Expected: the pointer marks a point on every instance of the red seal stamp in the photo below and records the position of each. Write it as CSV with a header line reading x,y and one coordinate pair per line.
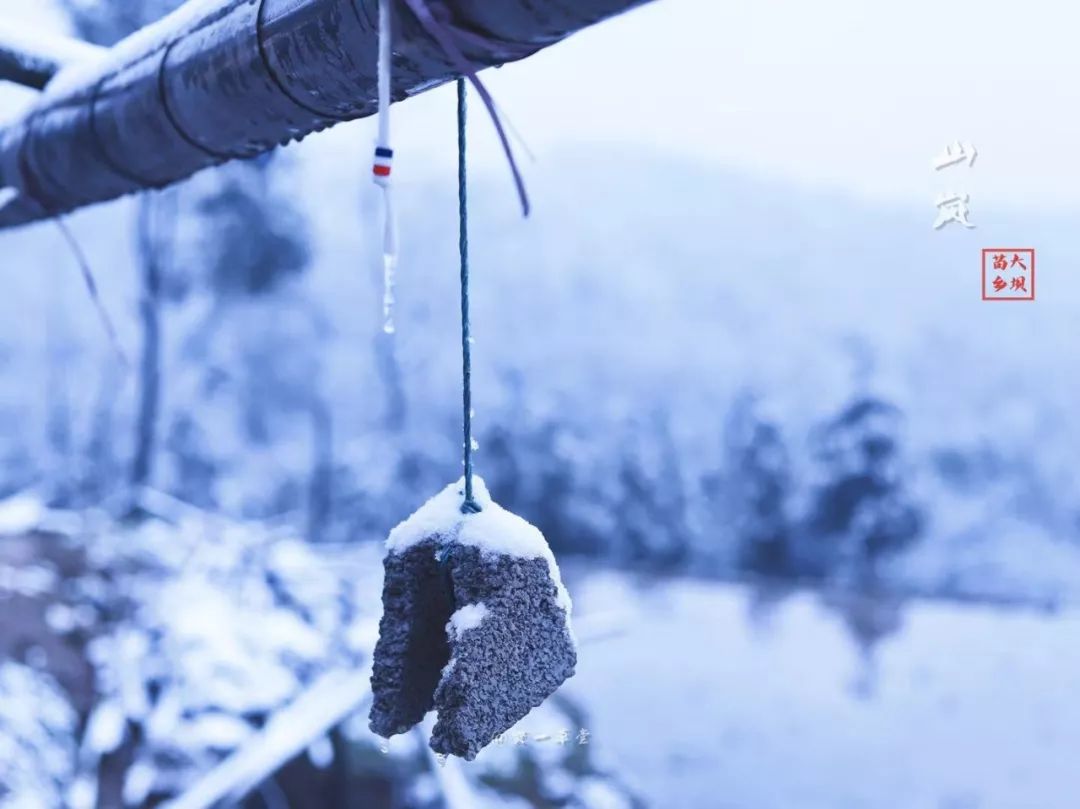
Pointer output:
x,y
1008,274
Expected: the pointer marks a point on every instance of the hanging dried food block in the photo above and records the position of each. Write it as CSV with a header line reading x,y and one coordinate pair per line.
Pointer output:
x,y
495,600
412,648
510,641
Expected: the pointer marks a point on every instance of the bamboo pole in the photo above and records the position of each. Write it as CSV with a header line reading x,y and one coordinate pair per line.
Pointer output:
x,y
220,80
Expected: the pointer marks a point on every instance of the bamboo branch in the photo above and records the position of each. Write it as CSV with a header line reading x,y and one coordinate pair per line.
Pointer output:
x,y
32,59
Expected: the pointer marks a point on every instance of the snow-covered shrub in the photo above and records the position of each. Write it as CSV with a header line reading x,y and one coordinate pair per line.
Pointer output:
x,y
37,739
210,627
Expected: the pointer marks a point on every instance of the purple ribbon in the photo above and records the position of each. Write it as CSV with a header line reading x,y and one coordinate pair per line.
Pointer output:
x,y
446,36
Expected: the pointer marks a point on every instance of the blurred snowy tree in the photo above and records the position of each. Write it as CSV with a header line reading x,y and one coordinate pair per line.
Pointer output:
x,y
652,511
244,369
218,251
752,494
258,239
534,468
861,511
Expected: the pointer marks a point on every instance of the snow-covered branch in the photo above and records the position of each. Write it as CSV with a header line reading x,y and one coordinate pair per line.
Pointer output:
x,y
326,704
33,58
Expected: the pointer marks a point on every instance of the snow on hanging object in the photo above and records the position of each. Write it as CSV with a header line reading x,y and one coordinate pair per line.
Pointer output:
x,y
468,617
476,624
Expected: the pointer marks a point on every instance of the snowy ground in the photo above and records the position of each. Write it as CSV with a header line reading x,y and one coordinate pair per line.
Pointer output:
x,y
707,701
689,693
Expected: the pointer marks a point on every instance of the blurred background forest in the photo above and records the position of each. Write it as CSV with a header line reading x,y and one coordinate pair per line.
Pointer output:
x,y
792,468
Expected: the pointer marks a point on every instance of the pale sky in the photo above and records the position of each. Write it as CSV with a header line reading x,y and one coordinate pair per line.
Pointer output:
x,y
851,93
854,95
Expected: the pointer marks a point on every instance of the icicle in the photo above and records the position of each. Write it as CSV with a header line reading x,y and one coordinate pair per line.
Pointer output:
x,y
389,271
384,165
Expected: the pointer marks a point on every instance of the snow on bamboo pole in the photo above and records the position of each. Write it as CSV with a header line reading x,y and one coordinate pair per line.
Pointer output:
x,y
224,79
